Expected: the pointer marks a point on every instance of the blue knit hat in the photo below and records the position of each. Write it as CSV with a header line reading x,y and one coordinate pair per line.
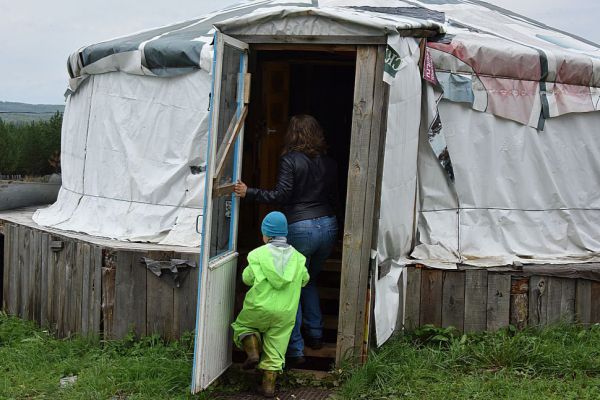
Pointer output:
x,y
274,224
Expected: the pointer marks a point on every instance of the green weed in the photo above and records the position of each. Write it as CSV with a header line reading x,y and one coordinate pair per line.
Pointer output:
x,y
560,362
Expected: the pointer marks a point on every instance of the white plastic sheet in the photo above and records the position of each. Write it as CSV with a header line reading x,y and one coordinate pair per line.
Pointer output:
x,y
522,195
128,145
399,182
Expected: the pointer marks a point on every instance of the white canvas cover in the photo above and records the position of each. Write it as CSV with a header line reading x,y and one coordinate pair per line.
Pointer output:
x,y
133,149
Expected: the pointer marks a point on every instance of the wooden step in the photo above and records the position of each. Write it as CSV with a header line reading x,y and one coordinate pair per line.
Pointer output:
x,y
327,351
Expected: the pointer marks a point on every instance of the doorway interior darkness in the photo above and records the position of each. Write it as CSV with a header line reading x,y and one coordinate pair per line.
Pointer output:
x,y
287,83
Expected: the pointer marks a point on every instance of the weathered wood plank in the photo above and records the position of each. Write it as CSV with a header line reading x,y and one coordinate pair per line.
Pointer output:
x,y
77,294
24,268
583,299
476,282
185,298
537,301
35,277
498,301
6,276
371,197
44,277
413,298
159,307
312,39
95,314
108,292
130,295
567,301
355,261
431,297
86,284
453,299
72,292
519,302
15,292
52,310
400,315
554,293
62,282
595,303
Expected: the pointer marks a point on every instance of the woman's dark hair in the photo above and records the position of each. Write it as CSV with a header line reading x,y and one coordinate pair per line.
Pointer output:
x,y
305,135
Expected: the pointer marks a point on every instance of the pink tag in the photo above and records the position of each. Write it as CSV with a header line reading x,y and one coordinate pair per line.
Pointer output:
x,y
429,69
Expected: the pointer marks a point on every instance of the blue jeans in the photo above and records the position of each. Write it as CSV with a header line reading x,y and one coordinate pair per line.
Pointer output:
x,y
314,238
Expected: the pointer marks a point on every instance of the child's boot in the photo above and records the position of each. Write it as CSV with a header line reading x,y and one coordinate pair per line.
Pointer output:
x,y
267,388
250,344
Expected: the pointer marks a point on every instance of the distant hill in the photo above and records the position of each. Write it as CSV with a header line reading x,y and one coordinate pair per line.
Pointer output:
x,y
23,112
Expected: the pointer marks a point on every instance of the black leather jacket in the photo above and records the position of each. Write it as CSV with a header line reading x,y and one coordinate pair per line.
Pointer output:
x,y
306,187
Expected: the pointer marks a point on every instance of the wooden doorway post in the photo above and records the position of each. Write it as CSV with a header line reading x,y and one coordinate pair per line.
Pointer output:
x,y
367,123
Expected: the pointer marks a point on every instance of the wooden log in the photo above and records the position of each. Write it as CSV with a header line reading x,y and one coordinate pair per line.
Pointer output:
x,y
583,299
453,299
44,272
567,301
476,282
108,292
185,298
498,301
595,303
431,297
413,298
355,260
6,275
130,295
519,302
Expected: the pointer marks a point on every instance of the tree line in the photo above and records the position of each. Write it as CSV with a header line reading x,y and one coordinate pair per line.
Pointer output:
x,y
30,148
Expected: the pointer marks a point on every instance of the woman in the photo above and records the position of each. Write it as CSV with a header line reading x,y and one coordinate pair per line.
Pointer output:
x,y
306,189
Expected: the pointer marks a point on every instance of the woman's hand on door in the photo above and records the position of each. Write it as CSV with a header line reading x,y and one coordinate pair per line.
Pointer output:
x,y
240,189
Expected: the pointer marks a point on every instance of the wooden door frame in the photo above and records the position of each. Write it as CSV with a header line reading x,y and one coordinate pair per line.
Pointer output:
x,y
364,179
362,201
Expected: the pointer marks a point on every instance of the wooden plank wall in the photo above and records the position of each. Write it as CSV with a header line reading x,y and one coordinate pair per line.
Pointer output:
x,y
72,287
479,300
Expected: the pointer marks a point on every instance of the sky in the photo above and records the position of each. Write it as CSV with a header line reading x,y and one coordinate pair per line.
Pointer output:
x,y
36,37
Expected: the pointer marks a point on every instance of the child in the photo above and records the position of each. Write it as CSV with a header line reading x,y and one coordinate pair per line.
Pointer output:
x,y
275,273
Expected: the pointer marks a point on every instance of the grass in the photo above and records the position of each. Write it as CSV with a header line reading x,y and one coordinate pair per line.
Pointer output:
x,y
561,362
32,363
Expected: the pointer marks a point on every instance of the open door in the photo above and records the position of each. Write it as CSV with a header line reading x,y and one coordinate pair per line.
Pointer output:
x,y
218,254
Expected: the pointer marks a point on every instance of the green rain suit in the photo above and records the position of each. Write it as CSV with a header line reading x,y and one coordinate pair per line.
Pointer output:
x,y
276,275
